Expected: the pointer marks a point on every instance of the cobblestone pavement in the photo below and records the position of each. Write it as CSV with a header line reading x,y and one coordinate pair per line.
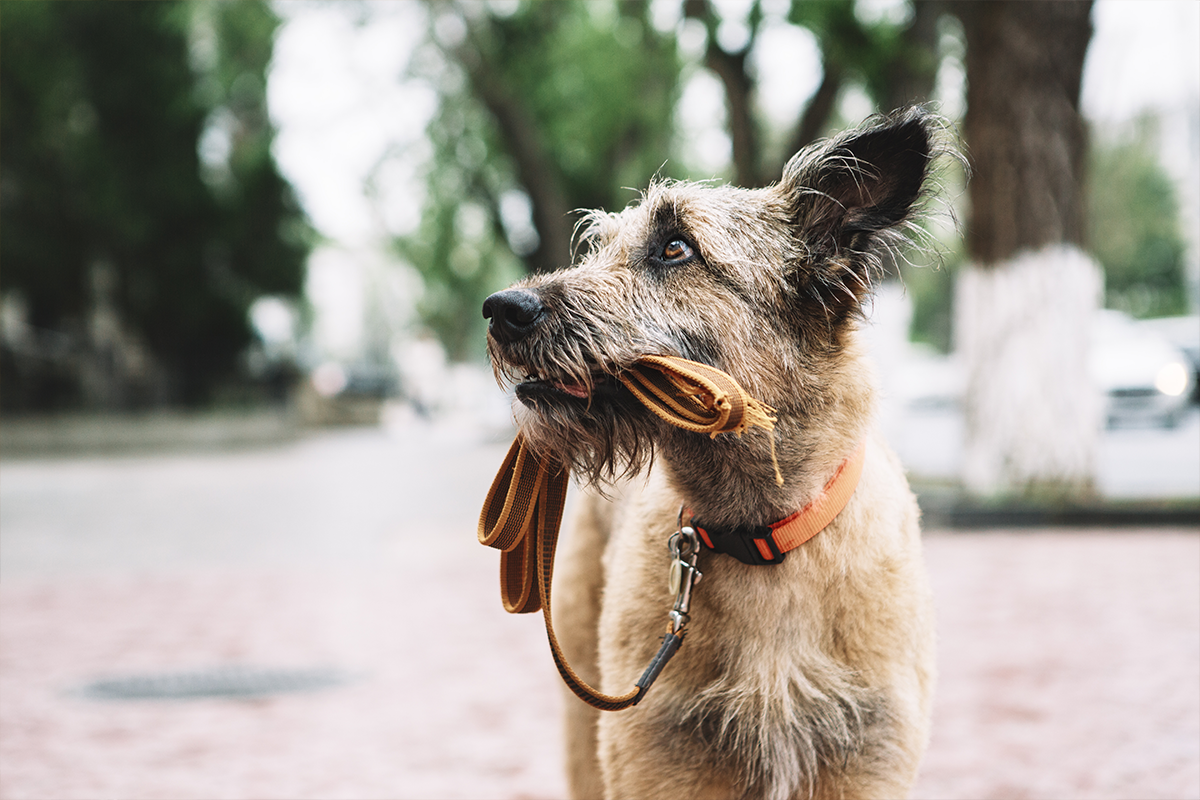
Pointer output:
x,y
1070,660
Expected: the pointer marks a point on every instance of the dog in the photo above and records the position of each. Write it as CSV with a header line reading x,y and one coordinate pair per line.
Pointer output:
x,y
805,675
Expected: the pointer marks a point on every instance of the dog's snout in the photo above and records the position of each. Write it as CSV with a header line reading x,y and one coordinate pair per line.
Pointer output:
x,y
513,314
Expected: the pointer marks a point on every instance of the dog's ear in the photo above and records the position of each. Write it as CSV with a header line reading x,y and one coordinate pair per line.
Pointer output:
x,y
847,194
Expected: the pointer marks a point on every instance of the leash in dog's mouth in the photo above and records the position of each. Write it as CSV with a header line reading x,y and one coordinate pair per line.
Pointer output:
x,y
523,509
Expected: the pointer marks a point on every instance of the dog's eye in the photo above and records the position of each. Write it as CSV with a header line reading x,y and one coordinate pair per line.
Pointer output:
x,y
677,250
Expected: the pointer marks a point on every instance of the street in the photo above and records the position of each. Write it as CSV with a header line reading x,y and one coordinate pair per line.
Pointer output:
x,y
1069,658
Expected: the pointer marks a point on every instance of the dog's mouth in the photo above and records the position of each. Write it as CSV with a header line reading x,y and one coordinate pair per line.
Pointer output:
x,y
535,387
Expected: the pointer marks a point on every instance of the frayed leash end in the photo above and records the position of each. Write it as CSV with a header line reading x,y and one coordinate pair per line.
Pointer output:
x,y
774,460
763,416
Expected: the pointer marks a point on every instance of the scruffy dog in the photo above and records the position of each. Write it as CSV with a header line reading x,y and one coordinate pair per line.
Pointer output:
x,y
810,675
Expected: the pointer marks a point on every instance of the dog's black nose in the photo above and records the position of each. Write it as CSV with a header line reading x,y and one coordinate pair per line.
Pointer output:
x,y
513,314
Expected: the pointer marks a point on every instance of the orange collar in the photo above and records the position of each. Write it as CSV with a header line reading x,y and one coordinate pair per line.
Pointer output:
x,y
767,544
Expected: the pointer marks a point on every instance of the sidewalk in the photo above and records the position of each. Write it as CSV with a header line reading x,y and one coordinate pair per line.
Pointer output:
x,y
1069,658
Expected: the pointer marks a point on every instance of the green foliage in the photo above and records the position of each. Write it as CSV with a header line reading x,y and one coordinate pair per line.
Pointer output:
x,y
932,291
459,259
104,105
1134,222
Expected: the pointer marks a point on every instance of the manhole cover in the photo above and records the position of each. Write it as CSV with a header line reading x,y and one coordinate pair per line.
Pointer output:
x,y
233,681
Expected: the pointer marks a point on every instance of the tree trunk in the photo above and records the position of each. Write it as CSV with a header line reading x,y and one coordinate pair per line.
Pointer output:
x,y
1022,331
536,172
913,74
743,132
730,69
1024,304
816,113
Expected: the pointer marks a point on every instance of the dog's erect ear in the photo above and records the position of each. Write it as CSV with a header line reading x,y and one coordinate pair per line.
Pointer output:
x,y
847,193
863,182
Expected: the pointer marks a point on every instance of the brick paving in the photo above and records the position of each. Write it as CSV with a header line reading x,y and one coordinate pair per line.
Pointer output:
x,y
1070,660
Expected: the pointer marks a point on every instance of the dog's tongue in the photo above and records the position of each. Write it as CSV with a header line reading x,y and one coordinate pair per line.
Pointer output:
x,y
573,389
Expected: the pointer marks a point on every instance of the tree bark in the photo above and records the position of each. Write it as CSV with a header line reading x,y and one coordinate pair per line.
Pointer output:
x,y
536,171
816,113
1024,69
730,68
1024,304
743,132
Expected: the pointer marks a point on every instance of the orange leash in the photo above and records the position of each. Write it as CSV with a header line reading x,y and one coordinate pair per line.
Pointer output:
x,y
523,509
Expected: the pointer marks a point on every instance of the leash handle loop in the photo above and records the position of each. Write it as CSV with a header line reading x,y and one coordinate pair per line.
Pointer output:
x,y
502,525
524,527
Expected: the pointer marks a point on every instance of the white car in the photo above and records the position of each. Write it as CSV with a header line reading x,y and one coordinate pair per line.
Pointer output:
x,y
1184,333
1145,378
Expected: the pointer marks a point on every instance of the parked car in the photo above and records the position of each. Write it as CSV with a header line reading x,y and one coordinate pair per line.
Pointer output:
x,y
1184,333
1144,376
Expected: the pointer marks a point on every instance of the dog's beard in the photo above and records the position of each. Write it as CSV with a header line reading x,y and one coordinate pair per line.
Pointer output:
x,y
571,405
601,438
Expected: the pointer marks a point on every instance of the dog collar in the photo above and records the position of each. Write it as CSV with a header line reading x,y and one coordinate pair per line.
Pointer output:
x,y
768,544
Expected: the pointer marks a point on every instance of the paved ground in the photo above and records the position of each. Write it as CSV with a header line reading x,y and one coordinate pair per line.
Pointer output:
x,y
1070,660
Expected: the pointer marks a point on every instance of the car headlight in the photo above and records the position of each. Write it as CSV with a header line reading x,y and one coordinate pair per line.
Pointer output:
x,y
1172,379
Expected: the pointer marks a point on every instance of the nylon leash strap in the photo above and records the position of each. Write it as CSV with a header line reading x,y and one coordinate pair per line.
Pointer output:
x,y
523,509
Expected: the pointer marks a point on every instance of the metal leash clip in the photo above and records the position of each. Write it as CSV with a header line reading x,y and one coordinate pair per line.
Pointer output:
x,y
684,545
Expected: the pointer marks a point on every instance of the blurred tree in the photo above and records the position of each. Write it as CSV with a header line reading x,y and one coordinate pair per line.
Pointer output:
x,y
1024,304
1133,220
117,237
894,61
1024,73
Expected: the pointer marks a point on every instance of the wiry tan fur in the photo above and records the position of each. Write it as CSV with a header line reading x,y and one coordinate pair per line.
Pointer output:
x,y
811,678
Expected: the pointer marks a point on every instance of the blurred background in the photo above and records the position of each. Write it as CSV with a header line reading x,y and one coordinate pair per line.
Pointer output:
x,y
246,419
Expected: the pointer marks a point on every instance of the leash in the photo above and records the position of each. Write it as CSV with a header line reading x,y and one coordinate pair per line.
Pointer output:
x,y
523,509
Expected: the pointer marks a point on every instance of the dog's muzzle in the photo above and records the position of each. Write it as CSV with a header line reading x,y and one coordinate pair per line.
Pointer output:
x,y
512,314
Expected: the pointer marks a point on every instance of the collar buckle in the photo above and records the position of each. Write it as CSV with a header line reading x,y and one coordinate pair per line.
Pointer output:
x,y
750,544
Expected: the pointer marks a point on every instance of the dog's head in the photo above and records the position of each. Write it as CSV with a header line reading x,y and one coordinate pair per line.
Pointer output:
x,y
761,283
